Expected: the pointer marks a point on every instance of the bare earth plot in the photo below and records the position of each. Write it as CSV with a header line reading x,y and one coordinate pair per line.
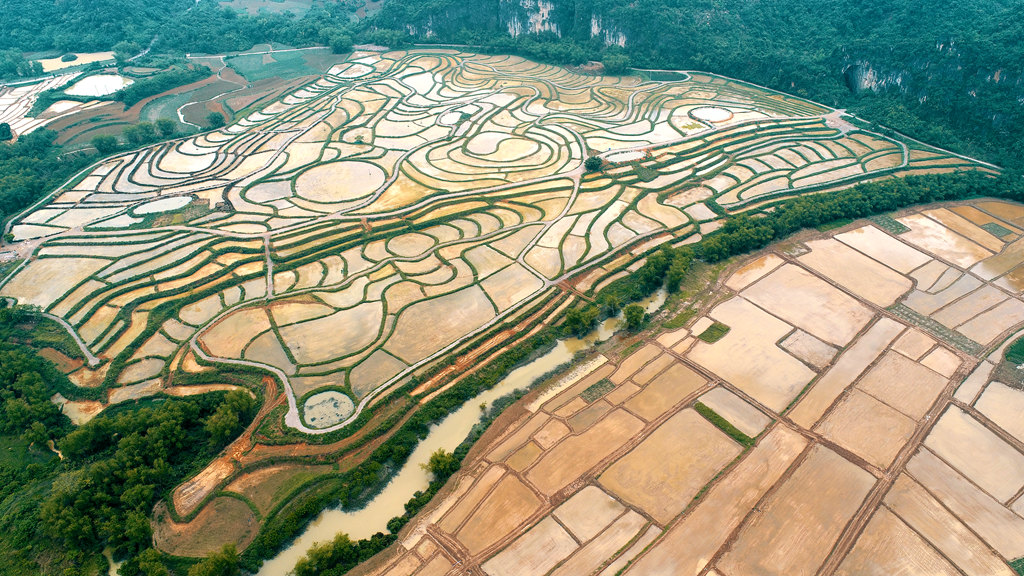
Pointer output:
x,y
898,453
406,203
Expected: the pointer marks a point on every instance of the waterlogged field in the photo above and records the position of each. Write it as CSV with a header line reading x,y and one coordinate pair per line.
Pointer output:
x,y
882,441
363,227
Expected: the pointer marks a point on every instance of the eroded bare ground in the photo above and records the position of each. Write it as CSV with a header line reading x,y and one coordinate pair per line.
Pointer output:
x,y
863,364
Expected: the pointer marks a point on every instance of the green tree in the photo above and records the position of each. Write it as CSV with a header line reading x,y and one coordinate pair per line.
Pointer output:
x,y
151,564
329,557
634,316
166,128
139,134
215,120
341,43
105,144
230,417
221,563
593,163
442,464
5,132
615,63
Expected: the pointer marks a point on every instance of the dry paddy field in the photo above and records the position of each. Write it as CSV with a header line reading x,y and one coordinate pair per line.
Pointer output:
x,y
868,438
365,225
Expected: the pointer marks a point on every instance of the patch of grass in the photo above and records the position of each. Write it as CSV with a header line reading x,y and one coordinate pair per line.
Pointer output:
x,y
680,319
723,425
996,229
834,224
15,453
644,173
597,390
714,333
889,224
1018,566
1015,352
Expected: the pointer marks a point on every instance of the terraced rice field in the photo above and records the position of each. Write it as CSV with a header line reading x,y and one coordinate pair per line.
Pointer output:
x,y
890,450
404,202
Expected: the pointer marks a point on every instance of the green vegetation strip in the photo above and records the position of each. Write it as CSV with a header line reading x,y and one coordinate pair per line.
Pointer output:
x,y
714,333
1015,351
996,229
945,334
723,425
889,224
596,391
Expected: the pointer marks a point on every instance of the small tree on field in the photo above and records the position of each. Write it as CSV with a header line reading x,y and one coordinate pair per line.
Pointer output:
x,y
615,64
341,43
442,464
69,58
634,316
222,563
5,132
104,144
166,127
215,120
593,163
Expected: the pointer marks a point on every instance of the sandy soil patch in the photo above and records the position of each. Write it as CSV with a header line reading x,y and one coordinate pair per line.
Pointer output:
x,y
884,248
941,241
854,271
689,544
507,506
945,532
978,453
752,271
339,181
997,525
45,280
850,364
266,486
448,317
736,410
868,428
352,330
665,391
223,521
800,522
796,296
374,371
903,384
888,546
229,337
809,349
535,552
78,411
588,512
577,454
769,375
51,64
663,473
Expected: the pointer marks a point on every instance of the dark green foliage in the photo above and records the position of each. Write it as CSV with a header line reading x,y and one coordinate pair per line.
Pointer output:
x,y
145,87
442,464
5,132
69,58
714,333
615,63
215,119
723,425
996,229
593,163
341,43
597,390
166,128
221,563
1015,351
1018,566
25,406
579,321
31,168
635,315
231,417
105,144
139,134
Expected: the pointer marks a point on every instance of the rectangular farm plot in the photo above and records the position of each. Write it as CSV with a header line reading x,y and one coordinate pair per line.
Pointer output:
x,y
857,273
884,248
802,520
690,544
868,428
505,508
929,235
748,358
978,453
903,384
428,326
665,391
1004,406
663,473
535,552
798,297
736,411
888,546
576,455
